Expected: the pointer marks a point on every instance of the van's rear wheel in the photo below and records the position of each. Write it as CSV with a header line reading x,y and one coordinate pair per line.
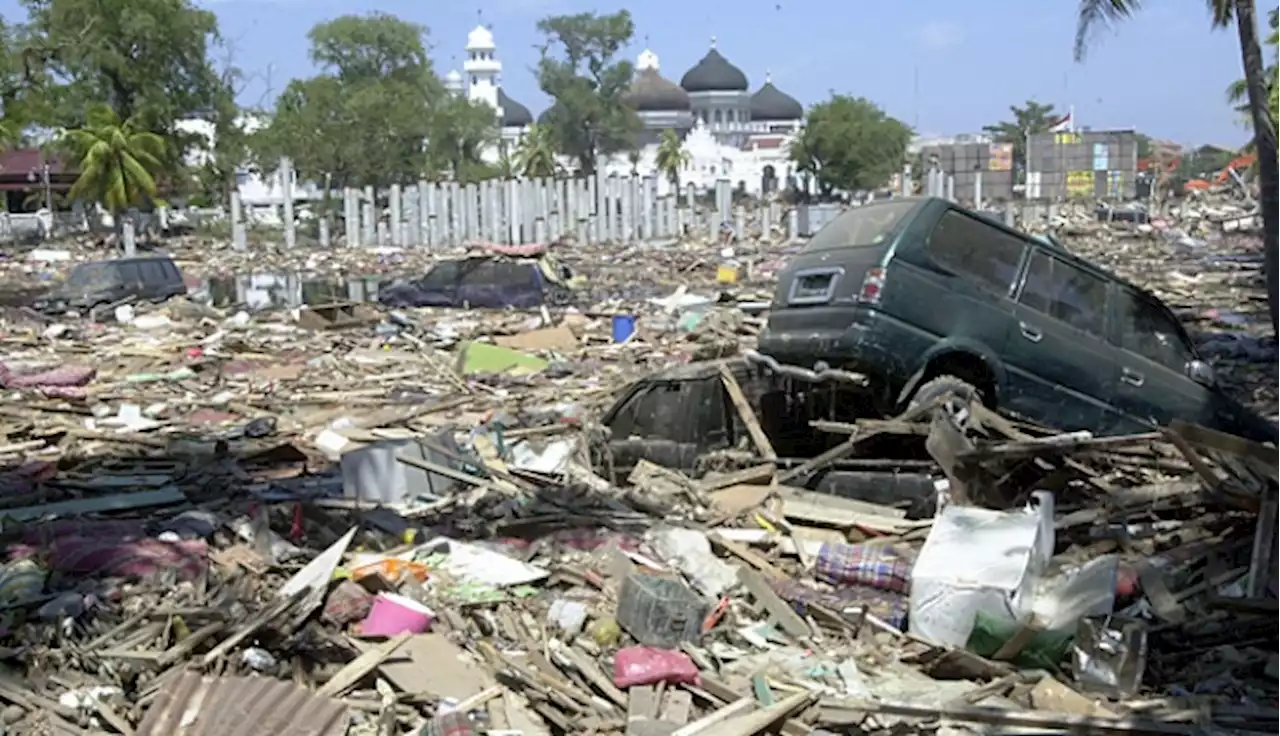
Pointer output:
x,y
943,386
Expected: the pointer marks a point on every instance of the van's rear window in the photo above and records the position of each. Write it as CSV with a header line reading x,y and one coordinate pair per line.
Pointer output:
x,y
862,227
92,276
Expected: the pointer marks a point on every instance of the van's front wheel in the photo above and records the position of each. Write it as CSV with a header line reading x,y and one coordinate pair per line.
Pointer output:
x,y
943,386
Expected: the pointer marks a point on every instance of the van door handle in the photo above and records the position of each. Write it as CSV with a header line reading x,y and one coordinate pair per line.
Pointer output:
x,y
1029,332
1131,377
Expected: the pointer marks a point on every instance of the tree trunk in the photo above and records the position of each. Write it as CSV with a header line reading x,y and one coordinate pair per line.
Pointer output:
x,y
1264,132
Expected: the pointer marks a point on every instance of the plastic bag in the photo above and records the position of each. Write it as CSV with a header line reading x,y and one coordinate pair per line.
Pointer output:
x,y
650,665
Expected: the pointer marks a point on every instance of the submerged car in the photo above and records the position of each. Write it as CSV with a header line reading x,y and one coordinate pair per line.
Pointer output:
x,y
486,282
152,278
677,417
926,298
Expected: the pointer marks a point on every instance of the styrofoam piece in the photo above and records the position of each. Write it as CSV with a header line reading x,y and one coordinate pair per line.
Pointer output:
x,y
973,560
373,473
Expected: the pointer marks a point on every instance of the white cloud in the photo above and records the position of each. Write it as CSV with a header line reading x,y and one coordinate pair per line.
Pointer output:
x,y
940,35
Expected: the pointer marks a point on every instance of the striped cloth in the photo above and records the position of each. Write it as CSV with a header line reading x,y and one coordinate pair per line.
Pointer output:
x,y
449,724
873,565
885,605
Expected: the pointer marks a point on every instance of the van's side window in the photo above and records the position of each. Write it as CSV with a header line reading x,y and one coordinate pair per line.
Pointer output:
x,y
152,273
967,246
1151,332
1066,293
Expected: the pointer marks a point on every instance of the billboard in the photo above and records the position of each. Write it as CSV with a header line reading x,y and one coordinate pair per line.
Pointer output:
x,y
1079,183
1001,157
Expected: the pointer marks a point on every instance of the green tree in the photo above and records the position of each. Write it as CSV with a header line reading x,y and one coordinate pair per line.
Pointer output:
x,y
376,113
580,70
850,144
365,48
1093,14
536,156
671,157
311,111
458,132
21,82
9,135
1030,119
118,161
148,60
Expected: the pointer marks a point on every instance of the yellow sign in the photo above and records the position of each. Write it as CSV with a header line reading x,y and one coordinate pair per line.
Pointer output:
x,y
727,274
1079,183
1066,139
1001,157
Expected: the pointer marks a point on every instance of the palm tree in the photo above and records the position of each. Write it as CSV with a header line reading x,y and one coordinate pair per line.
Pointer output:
x,y
8,135
536,156
671,157
118,161
505,166
1238,91
1095,13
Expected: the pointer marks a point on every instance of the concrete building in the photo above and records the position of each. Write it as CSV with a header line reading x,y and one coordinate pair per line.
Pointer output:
x,y
1083,163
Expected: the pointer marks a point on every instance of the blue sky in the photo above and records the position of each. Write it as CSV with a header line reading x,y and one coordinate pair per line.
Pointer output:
x,y
945,67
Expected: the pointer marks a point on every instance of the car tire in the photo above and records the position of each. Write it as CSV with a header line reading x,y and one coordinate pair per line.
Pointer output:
x,y
945,385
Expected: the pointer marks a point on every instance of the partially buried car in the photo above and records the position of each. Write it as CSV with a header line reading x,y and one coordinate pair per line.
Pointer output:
x,y
926,298
485,282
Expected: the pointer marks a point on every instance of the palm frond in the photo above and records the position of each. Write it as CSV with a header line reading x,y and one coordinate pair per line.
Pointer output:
x,y
1096,15
1237,92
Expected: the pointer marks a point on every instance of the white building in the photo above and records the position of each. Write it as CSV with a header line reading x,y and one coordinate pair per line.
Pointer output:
x,y
481,81
259,195
728,131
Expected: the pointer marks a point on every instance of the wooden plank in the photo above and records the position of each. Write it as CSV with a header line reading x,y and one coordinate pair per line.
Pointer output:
x,y
748,556
779,610
1262,556
756,474
249,629
356,669
676,707
748,416
1229,443
116,502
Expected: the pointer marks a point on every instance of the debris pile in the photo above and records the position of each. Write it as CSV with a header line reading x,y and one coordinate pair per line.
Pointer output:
x,y
348,521
341,518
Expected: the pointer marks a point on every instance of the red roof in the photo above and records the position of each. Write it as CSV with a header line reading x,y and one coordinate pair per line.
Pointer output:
x,y
764,142
21,161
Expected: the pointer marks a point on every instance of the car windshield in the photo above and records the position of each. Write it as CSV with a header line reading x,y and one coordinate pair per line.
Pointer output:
x,y
91,276
862,227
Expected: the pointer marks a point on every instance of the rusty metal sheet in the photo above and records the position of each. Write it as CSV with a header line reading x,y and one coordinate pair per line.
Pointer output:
x,y
196,705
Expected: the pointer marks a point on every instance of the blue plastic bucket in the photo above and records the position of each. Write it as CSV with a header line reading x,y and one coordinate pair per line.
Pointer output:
x,y
624,326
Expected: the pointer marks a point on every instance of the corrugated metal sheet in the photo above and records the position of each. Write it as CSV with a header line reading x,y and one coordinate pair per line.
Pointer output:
x,y
195,705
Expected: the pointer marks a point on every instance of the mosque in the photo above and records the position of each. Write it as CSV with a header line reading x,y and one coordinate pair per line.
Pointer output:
x,y
729,132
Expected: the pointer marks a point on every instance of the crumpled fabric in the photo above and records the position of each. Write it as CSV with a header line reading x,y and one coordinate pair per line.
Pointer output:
x,y
65,382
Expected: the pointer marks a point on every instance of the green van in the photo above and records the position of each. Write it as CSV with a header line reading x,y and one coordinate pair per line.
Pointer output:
x,y
925,297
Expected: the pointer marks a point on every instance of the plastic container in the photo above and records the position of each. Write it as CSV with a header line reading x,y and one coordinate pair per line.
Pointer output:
x,y
624,326
661,612
393,614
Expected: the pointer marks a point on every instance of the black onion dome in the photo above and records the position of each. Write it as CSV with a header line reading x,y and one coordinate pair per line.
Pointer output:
x,y
514,115
771,103
651,92
714,74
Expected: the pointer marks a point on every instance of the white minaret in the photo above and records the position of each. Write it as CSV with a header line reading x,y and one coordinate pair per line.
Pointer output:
x,y
647,60
453,83
482,68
